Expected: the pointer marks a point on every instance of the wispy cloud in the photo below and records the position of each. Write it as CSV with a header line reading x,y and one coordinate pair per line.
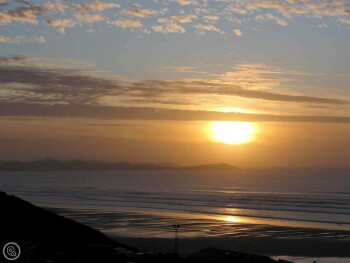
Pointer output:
x,y
97,6
22,39
126,23
26,80
4,39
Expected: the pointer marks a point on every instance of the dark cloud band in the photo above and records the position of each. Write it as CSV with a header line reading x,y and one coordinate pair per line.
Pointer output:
x,y
138,113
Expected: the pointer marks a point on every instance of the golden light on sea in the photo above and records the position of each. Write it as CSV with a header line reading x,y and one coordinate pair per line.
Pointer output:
x,y
229,132
231,219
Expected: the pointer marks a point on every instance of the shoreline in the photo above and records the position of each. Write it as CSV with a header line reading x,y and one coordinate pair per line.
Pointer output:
x,y
183,215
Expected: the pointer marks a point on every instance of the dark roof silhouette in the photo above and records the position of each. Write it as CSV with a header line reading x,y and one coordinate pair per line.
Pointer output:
x,y
226,256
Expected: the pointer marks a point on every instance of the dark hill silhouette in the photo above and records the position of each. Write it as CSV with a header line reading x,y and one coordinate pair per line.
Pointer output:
x,y
44,235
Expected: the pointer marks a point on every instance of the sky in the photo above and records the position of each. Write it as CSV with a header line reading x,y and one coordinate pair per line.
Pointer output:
x,y
143,81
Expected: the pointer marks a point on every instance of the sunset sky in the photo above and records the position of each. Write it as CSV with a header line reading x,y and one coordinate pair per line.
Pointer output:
x,y
145,81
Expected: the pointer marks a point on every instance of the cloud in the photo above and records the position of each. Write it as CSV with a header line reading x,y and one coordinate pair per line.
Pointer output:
x,y
192,16
97,6
344,20
126,23
26,62
140,12
271,17
202,28
170,26
267,4
26,14
40,39
254,76
13,60
24,79
12,40
89,18
22,39
141,113
237,32
316,9
159,29
211,17
184,19
116,124
187,2
61,24
284,11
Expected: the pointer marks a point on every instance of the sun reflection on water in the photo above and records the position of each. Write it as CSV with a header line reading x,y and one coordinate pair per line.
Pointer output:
x,y
231,219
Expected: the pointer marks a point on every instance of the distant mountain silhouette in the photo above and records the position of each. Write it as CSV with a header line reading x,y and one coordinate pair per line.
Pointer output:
x,y
51,164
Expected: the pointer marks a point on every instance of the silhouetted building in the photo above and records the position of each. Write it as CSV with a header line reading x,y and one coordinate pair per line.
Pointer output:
x,y
225,256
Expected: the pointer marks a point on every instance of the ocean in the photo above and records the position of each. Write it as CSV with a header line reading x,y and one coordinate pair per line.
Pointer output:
x,y
308,198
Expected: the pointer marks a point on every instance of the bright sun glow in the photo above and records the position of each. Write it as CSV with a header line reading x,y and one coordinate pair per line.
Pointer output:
x,y
232,132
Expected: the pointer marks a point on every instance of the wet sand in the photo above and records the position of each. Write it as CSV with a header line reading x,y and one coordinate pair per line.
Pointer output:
x,y
153,231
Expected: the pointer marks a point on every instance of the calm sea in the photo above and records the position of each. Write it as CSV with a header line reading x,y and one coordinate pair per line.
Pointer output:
x,y
311,197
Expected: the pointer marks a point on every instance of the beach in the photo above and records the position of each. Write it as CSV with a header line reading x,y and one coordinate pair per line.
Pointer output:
x,y
307,218
153,231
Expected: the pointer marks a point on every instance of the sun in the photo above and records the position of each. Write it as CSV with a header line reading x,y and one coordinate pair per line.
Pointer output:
x,y
232,132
